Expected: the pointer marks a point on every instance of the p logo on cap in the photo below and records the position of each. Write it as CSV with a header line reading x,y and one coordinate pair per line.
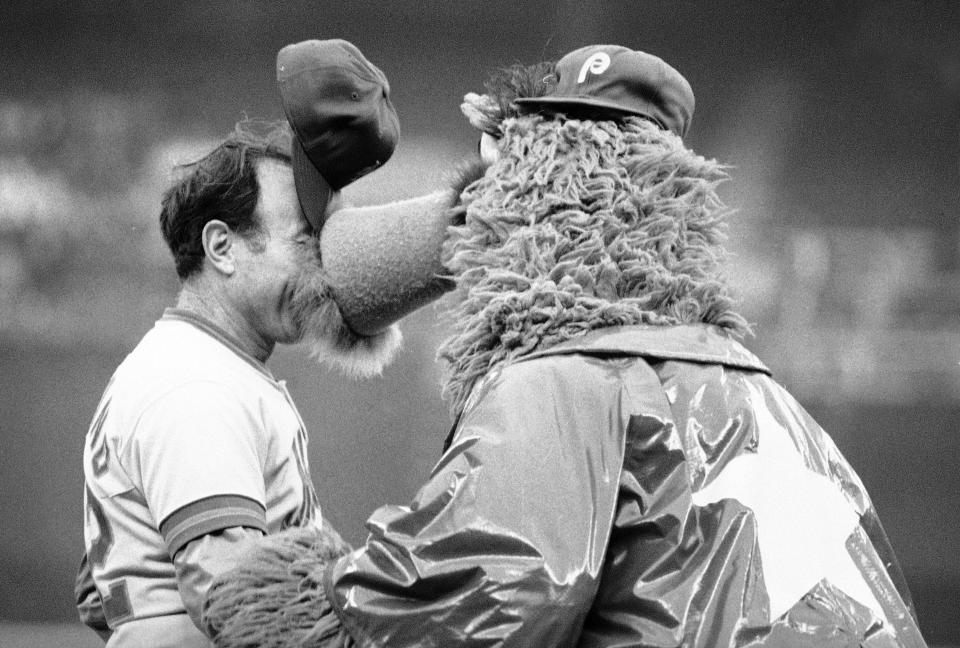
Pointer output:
x,y
621,80
344,125
597,64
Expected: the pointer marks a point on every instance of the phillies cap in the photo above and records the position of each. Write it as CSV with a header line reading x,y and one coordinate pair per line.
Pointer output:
x,y
344,125
618,79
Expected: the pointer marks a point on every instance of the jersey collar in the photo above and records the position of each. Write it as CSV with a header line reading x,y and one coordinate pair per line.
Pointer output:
x,y
218,333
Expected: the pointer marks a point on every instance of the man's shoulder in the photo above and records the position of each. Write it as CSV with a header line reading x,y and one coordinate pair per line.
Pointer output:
x,y
176,358
176,351
170,351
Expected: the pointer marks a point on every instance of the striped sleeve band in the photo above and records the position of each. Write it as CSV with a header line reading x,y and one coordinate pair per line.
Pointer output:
x,y
208,515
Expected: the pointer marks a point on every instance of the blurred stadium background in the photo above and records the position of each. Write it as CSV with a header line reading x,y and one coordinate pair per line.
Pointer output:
x,y
841,122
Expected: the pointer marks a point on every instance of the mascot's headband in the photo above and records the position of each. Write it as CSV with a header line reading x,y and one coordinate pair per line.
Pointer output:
x,y
344,125
614,78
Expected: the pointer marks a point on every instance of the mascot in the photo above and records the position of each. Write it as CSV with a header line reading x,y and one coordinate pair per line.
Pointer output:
x,y
622,471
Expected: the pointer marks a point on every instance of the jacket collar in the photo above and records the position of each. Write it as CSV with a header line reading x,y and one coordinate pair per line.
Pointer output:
x,y
691,342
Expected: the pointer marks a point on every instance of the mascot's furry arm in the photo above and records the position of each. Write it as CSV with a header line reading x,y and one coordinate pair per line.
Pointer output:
x,y
275,598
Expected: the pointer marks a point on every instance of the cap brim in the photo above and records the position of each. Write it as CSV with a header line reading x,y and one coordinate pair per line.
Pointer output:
x,y
576,102
313,191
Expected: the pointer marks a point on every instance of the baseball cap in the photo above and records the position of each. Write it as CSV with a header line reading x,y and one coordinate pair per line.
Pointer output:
x,y
619,79
344,125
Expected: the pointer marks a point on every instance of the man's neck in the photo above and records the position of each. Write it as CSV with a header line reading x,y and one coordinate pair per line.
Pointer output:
x,y
227,317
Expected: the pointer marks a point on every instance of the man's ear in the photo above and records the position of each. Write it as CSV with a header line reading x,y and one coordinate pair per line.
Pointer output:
x,y
218,244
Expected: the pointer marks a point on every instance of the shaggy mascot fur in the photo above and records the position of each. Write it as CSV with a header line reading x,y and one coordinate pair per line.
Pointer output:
x,y
335,343
580,225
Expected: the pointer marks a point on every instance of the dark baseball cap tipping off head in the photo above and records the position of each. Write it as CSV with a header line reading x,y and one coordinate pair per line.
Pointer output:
x,y
344,125
615,78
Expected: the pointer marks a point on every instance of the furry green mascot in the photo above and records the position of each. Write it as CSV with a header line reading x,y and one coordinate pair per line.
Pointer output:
x,y
622,471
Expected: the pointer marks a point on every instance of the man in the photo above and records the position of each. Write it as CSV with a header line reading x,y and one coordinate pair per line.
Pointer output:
x,y
196,447
622,472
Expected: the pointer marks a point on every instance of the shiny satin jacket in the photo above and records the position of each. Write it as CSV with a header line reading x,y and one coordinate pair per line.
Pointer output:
x,y
639,486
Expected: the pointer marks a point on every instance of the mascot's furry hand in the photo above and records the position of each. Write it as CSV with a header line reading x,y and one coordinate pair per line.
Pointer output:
x,y
275,598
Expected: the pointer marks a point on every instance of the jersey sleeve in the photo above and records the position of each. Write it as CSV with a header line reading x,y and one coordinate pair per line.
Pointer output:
x,y
199,452
203,559
504,545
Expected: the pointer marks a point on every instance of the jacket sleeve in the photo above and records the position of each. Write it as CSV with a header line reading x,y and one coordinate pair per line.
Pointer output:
x,y
504,545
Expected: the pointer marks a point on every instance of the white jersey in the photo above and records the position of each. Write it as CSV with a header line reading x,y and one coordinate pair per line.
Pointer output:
x,y
192,436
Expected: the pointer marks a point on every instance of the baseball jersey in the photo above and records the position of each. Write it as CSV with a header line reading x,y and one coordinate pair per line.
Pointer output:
x,y
192,435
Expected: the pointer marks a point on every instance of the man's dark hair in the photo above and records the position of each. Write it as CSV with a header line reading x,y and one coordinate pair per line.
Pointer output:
x,y
222,185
